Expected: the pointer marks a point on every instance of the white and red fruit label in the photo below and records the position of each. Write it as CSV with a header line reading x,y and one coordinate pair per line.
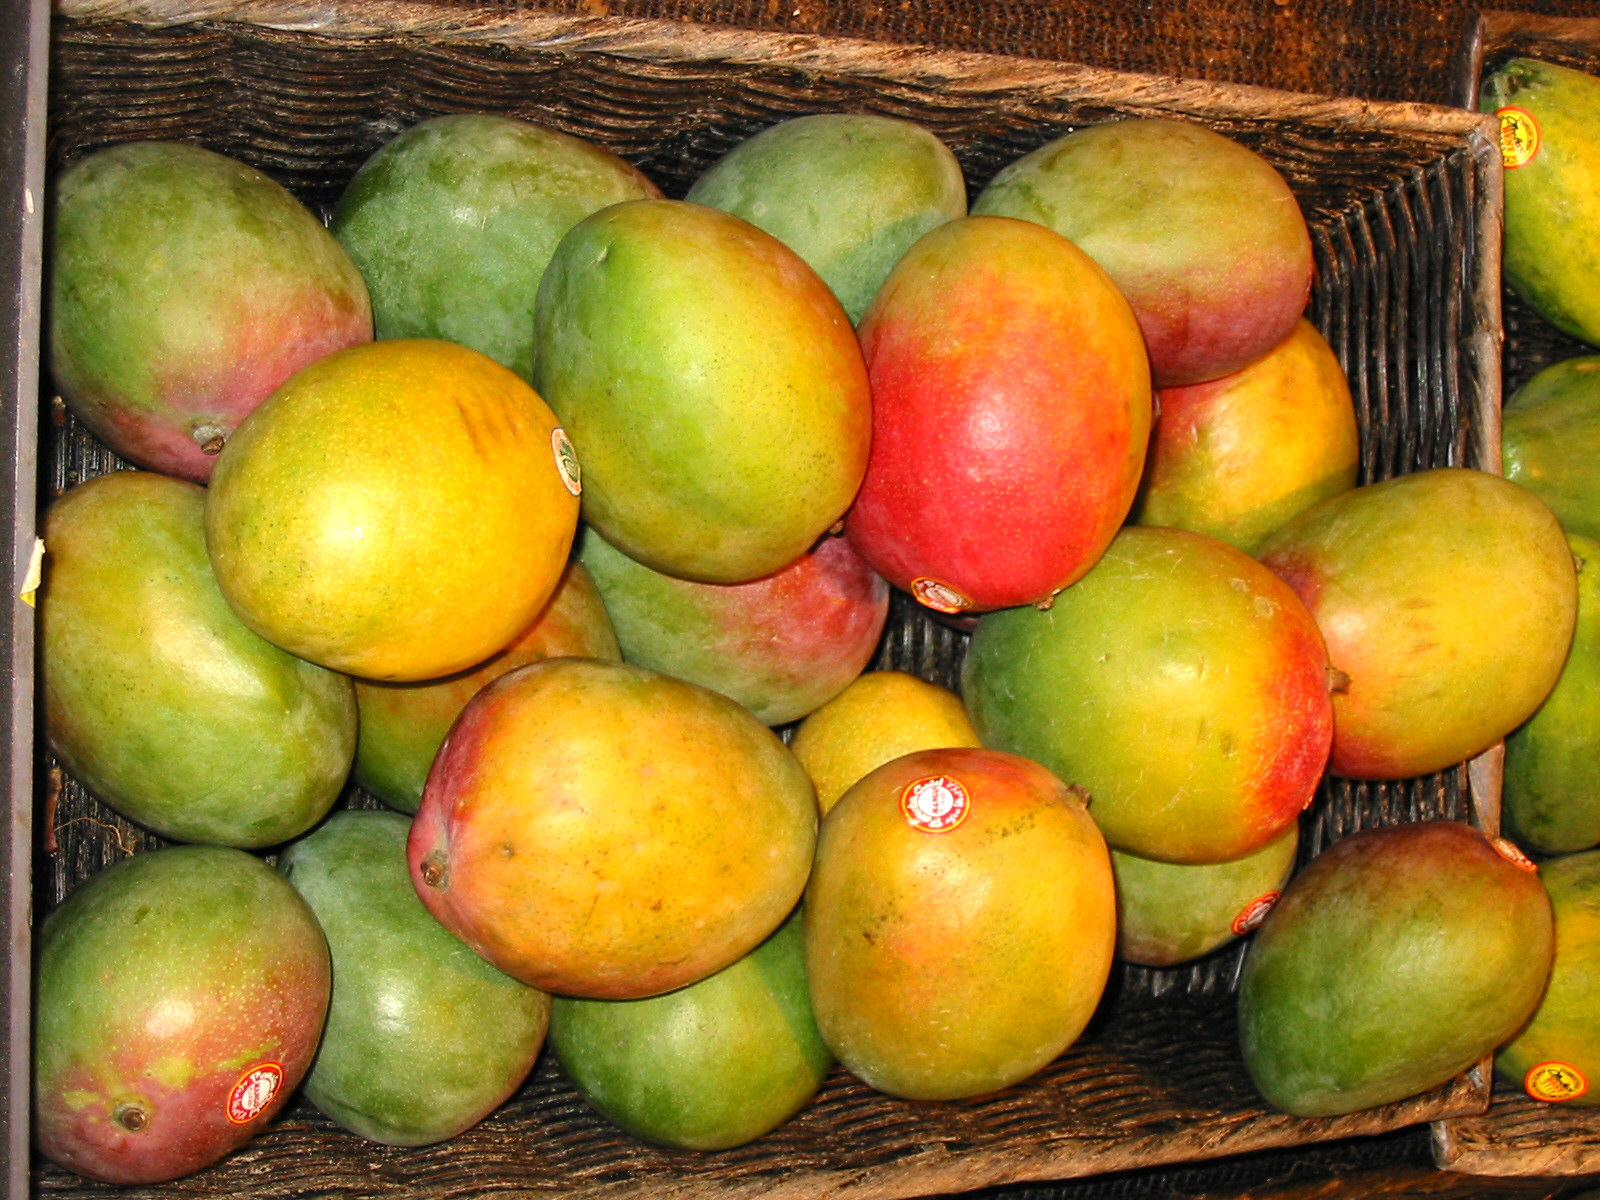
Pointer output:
x,y
1519,136
1512,853
935,804
566,460
1254,913
1555,1082
940,597
255,1090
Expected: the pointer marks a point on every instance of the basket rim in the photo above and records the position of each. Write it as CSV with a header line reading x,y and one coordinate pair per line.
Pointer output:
x,y
956,72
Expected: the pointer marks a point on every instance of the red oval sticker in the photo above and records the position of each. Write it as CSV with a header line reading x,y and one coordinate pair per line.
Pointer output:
x,y
1555,1082
936,804
254,1092
1255,912
1513,854
940,597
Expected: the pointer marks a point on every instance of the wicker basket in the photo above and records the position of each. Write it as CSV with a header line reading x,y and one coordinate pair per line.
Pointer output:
x,y
1404,205
1520,1135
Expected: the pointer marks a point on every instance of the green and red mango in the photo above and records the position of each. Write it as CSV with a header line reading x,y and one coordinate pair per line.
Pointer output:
x,y
1011,408
180,997
1201,233
1396,959
782,645
1179,683
185,287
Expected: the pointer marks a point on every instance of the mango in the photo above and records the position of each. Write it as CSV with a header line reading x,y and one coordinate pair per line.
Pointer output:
x,y
423,1039
1550,799
1011,408
711,383
1447,598
184,287
1551,154
1170,913
1238,456
1179,683
600,830
710,1066
782,645
180,996
1550,439
959,923
1201,233
453,221
1394,961
848,192
397,511
879,716
157,697
1555,1057
403,724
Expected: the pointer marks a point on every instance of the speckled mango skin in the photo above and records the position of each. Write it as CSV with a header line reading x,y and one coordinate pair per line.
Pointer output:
x,y
1201,233
1448,600
1395,960
184,288
1551,257
403,724
849,192
1011,409
952,964
161,982
1238,456
710,1066
394,511
1562,1028
157,697
711,383
782,645
424,1039
599,830
453,221
1180,683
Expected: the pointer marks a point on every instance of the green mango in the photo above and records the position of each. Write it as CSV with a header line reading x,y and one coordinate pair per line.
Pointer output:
x,y
1550,143
180,995
1551,796
849,192
711,383
1169,913
1556,1056
158,697
1550,441
707,1067
424,1038
1395,960
453,221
